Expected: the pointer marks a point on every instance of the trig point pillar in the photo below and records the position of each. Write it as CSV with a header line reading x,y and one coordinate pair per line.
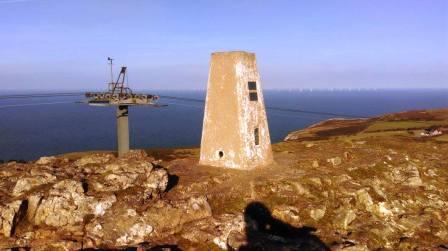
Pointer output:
x,y
122,130
235,130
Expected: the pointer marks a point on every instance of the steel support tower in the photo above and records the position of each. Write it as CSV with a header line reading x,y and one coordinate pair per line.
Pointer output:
x,y
121,96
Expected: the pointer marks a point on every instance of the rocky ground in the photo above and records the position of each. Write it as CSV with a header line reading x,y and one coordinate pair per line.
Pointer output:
x,y
373,184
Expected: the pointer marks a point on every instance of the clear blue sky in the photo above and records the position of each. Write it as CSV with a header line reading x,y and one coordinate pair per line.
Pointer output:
x,y
63,44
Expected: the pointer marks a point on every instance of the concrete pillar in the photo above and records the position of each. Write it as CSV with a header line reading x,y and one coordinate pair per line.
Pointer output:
x,y
235,131
122,130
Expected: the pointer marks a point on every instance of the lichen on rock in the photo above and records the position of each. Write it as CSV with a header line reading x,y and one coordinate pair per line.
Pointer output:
x,y
385,193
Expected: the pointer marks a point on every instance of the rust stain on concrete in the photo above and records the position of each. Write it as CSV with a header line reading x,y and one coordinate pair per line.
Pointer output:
x,y
235,131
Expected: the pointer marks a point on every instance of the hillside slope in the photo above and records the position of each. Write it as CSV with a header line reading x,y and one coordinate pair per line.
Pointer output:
x,y
364,184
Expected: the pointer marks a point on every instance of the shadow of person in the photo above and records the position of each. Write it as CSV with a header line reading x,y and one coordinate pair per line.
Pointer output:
x,y
264,232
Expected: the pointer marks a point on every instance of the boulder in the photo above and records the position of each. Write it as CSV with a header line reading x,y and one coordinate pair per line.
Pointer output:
x,y
97,159
135,234
229,231
177,213
156,182
46,160
121,226
9,216
66,206
408,175
27,183
123,174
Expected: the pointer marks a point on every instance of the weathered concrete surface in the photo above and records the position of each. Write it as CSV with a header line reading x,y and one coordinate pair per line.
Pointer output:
x,y
231,118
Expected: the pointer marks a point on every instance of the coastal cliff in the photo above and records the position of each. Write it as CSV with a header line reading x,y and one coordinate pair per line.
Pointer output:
x,y
360,184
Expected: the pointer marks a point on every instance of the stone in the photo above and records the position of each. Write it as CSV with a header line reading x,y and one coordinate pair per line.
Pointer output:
x,y
317,213
382,210
347,155
413,175
8,217
157,181
344,216
59,246
364,199
308,145
122,175
135,154
315,164
287,213
364,203
135,234
431,173
230,231
33,203
27,183
196,234
177,213
118,227
46,160
336,161
66,206
119,181
63,207
354,247
301,189
378,188
316,181
121,226
235,241
98,158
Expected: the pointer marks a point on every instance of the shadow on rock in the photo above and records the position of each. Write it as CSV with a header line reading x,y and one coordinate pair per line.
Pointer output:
x,y
165,248
173,180
264,232
143,247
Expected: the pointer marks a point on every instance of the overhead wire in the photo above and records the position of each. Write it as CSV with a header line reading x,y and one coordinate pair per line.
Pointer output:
x,y
273,108
35,104
40,95
281,109
186,105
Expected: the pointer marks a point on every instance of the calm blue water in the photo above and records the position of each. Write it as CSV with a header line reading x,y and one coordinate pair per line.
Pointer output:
x,y
27,132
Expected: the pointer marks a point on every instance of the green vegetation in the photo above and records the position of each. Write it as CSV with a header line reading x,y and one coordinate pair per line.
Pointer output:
x,y
376,134
443,138
403,125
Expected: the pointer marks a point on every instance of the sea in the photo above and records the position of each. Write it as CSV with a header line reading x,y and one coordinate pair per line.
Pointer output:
x,y
45,126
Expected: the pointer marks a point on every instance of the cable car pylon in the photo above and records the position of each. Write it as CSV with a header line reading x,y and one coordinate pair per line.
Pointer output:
x,y
121,96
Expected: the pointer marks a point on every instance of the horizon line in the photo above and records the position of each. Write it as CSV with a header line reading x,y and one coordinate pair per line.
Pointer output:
x,y
265,89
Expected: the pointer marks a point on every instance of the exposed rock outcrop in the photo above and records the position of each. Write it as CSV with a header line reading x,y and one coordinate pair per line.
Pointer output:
x,y
66,206
9,216
86,198
339,185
